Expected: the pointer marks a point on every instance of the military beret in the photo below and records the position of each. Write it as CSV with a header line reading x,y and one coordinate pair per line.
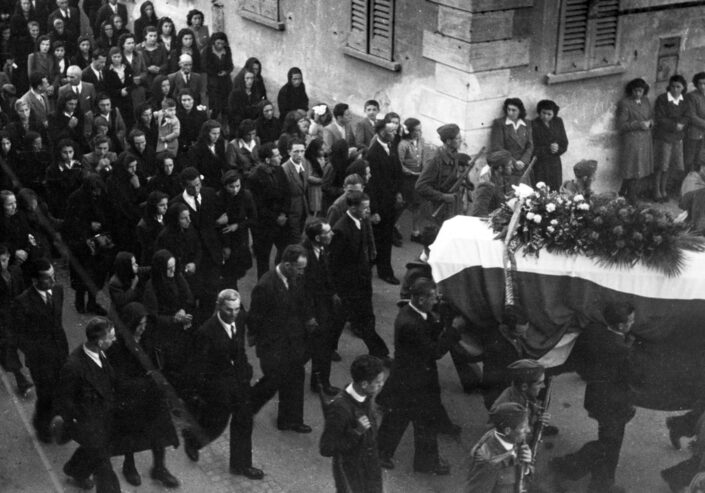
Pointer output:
x,y
499,158
507,415
525,371
584,168
448,131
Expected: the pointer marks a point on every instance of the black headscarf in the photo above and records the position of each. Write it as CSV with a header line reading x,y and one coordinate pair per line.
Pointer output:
x,y
122,268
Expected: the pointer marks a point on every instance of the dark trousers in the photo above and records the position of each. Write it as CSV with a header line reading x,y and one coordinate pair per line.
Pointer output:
x,y
214,419
685,424
321,340
45,382
392,429
359,312
287,379
692,153
383,233
599,457
262,242
93,461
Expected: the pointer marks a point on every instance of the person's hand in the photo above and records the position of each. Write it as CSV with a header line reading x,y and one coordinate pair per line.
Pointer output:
x,y
458,323
123,92
57,427
524,454
400,198
135,181
545,418
201,107
222,73
137,79
364,421
134,282
21,255
50,91
153,69
311,325
375,218
281,219
680,126
337,302
73,121
230,228
553,147
223,219
448,198
95,226
190,268
519,165
227,251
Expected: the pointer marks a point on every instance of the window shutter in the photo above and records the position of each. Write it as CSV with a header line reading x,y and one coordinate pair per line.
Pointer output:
x,y
357,39
573,39
382,32
604,33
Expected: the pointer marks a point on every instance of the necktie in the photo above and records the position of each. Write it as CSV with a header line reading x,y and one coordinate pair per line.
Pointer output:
x,y
197,202
232,331
75,89
49,299
188,78
100,76
301,175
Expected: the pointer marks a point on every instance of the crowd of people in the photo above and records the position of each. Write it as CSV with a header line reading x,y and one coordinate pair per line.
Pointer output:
x,y
159,173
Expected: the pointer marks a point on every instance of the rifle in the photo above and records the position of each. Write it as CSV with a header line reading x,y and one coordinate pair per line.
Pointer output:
x,y
459,182
521,486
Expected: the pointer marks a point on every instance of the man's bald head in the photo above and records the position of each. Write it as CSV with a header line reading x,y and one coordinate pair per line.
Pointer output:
x,y
74,74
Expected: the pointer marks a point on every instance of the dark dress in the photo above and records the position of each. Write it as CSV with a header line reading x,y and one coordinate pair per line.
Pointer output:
x,y
548,167
114,87
241,211
147,231
219,86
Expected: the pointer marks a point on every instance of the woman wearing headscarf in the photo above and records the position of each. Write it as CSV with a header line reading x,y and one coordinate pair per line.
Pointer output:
x,y
550,142
208,155
217,62
147,18
168,298
180,237
253,66
126,285
141,420
107,38
127,189
296,125
191,117
269,127
511,132
243,103
238,204
151,225
292,96
334,174
166,180
634,123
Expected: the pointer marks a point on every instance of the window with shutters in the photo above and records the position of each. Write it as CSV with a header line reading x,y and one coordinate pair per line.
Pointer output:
x,y
265,12
588,37
371,36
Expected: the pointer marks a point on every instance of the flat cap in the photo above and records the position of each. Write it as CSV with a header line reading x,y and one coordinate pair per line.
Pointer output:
x,y
584,168
507,415
448,131
525,371
499,158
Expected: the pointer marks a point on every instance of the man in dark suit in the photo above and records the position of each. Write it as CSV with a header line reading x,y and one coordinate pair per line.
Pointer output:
x,y
365,128
297,177
318,283
37,316
93,74
608,399
339,128
350,260
222,378
412,393
185,78
279,321
85,90
70,16
36,98
206,216
106,13
85,406
383,188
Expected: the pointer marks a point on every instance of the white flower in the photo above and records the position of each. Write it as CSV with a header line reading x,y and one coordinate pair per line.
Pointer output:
x,y
537,218
550,229
530,216
554,222
584,206
540,185
550,207
512,202
522,190
578,198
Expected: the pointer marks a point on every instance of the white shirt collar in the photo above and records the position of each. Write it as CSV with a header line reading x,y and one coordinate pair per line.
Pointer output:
x,y
44,294
78,88
673,100
351,390
384,145
516,125
355,220
94,356
282,276
227,326
507,445
341,128
317,250
190,200
424,315
299,167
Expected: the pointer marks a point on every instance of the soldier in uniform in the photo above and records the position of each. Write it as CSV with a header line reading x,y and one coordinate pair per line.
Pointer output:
x,y
584,176
441,173
495,457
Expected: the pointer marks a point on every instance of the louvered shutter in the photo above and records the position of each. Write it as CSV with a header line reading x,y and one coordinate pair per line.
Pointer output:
x,y
573,39
357,39
603,39
382,32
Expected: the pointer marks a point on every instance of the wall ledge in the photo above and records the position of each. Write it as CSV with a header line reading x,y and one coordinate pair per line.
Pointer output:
x,y
260,19
554,78
374,60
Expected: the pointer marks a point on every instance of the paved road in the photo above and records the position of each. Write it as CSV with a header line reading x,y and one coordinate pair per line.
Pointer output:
x,y
292,463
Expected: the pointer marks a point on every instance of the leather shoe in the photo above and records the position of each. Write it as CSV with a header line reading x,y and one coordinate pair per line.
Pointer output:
x,y
190,446
386,462
335,356
390,280
131,474
440,469
249,472
84,484
298,428
328,390
673,434
163,475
